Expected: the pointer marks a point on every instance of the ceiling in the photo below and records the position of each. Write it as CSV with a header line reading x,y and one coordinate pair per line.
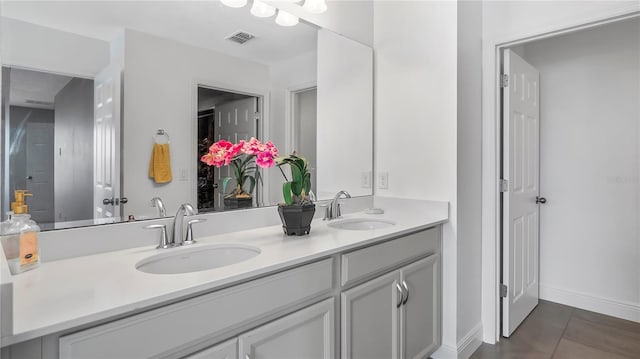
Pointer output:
x,y
35,89
204,24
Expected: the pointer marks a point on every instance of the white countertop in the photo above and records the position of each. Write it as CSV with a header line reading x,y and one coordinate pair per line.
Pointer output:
x,y
68,293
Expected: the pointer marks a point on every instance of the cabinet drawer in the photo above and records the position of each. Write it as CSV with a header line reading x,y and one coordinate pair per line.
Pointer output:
x,y
363,263
166,329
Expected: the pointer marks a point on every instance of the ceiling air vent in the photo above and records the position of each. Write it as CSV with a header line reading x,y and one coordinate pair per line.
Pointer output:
x,y
36,102
240,37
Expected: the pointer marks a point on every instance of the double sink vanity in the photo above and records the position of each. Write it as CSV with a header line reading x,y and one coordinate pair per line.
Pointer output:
x,y
360,286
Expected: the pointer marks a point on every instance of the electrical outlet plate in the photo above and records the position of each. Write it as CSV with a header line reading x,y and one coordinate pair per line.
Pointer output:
x,y
383,180
365,179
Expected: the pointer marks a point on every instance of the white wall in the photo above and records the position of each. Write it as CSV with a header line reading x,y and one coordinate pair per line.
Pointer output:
x,y
469,176
51,50
589,167
160,92
351,18
415,117
345,110
300,71
505,21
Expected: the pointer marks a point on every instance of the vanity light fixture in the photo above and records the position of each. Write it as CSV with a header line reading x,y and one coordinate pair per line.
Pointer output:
x,y
286,19
315,6
260,9
234,3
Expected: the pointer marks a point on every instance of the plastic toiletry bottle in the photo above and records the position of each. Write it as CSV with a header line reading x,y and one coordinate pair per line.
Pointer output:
x,y
20,237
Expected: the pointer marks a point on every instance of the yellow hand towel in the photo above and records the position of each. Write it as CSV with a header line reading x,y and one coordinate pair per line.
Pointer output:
x,y
160,164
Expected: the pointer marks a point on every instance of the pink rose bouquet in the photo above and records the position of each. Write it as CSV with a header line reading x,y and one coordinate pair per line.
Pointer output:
x,y
244,158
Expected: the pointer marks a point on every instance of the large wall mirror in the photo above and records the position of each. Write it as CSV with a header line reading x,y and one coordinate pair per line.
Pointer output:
x,y
98,97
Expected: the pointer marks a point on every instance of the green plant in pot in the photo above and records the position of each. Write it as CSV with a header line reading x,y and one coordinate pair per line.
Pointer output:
x,y
297,210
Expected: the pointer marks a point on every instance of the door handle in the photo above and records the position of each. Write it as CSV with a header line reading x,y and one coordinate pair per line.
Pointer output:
x,y
401,291
29,178
406,290
540,200
115,201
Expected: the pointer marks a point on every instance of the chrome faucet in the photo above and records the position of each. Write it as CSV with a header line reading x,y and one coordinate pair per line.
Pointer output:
x,y
177,229
184,210
333,209
157,202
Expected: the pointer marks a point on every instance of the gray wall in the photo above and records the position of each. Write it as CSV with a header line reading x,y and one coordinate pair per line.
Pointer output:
x,y
74,151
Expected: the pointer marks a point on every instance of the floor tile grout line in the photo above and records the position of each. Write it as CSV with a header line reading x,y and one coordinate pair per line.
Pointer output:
x,y
562,335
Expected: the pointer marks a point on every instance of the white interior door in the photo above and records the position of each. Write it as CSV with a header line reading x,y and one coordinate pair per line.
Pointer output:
x,y
521,167
106,174
40,170
235,121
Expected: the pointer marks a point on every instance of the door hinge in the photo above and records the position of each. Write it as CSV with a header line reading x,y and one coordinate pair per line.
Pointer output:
x,y
504,185
503,291
504,80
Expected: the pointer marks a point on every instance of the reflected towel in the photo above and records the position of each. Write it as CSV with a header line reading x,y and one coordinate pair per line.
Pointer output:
x,y
160,164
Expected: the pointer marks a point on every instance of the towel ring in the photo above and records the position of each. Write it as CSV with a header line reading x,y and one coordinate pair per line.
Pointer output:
x,y
162,133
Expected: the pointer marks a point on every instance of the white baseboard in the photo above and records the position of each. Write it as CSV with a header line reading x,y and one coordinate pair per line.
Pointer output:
x,y
607,306
465,346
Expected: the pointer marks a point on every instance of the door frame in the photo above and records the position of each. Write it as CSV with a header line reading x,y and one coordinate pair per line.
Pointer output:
x,y
290,127
493,49
263,126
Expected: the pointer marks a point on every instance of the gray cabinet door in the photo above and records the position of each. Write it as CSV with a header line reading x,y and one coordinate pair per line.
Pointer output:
x,y
226,350
421,311
306,334
370,319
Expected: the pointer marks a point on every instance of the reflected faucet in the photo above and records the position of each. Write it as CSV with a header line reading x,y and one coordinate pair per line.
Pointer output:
x,y
184,210
333,209
157,202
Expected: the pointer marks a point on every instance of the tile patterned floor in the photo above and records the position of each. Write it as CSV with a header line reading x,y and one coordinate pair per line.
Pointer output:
x,y
560,332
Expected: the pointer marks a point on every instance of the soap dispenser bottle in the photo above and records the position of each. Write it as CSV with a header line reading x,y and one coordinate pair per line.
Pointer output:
x,y
20,237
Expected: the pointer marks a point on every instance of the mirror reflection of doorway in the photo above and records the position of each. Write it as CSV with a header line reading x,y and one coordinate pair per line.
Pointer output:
x,y
305,105
49,118
222,115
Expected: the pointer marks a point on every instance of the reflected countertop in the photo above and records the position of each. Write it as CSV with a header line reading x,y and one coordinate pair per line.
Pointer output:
x,y
67,293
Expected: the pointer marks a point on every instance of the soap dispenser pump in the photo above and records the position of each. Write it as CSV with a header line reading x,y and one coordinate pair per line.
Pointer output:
x,y
20,236
19,206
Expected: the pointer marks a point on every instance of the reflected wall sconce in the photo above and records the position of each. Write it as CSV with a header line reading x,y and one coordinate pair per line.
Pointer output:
x,y
261,9
234,3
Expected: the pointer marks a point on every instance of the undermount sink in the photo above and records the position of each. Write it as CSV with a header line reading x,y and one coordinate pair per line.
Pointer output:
x,y
198,258
362,224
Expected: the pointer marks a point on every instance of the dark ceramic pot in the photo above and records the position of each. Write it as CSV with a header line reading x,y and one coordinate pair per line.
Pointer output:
x,y
296,219
235,203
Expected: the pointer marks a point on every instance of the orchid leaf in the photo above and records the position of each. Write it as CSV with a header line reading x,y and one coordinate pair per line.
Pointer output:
x,y
252,184
286,193
225,182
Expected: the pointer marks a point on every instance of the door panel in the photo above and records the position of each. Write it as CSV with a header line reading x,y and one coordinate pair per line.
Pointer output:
x,y
520,211
235,121
107,92
40,171
370,319
421,312
308,333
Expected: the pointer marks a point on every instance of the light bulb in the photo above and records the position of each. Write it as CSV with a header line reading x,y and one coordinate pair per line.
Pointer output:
x,y
234,3
286,19
315,6
260,9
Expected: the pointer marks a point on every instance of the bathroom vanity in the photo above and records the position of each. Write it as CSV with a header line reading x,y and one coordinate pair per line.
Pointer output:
x,y
340,292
